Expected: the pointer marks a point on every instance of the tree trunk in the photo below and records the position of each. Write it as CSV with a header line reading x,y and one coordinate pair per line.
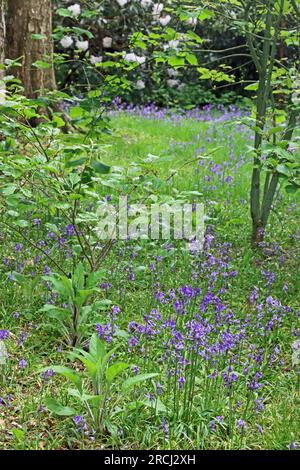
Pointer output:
x,y
26,18
2,38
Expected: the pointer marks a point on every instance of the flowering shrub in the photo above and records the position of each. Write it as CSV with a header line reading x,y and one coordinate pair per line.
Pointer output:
x,y
91,34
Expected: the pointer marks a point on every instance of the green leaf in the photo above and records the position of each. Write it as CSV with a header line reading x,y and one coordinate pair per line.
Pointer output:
x,y
38,36
283,170
58,409
205,14
95,277
157,405
100,167
9,189
61,285
40,64
78,276
69,374
97,347
18,434
82,296
291,189
64,12
115,370
77,112
176,61
132,381
252,87
192,59
75,163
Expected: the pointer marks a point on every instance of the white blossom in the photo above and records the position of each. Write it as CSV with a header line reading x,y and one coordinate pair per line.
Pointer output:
x,y
122,2
172,83
140,85
132,57
107,42
146,3
157,9
164,20
66,42
96,60
192,21
75,9
82,45
173,44
172,72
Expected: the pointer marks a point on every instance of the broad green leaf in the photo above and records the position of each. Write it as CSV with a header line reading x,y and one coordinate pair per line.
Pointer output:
x,y
97,347
69,374
57,408
115,370
132,381
100,167
78,276
252,87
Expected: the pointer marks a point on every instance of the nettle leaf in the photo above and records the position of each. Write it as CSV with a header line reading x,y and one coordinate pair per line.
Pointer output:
x,y
57,408
132,381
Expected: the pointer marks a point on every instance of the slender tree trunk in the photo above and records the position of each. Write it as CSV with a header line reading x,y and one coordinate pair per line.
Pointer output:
x,y
26,18
264,57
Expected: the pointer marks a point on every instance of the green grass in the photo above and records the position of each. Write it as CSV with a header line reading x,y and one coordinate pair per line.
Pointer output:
x,y
180,148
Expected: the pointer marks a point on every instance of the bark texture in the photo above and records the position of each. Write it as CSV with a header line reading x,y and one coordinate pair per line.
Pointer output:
x,y
24,19
2,37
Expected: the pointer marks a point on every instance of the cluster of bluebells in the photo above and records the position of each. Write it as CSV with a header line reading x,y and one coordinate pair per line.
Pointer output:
x,y
82,427
194,324
47,375
109,329
4,334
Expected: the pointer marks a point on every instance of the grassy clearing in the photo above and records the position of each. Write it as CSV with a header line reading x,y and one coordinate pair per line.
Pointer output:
x,y
143,276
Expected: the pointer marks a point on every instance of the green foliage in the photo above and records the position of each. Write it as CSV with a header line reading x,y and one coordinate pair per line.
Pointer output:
x,y
102,374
